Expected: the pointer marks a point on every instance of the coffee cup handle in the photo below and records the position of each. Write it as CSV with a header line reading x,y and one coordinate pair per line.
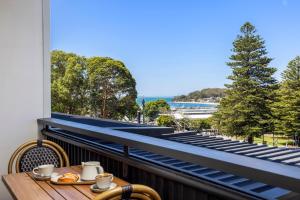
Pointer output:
x,y
34,171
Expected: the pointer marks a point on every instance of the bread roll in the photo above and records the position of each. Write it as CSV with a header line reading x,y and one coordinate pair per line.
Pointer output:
x,y
68,178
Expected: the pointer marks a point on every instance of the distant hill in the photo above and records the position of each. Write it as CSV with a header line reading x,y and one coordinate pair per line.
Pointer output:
x,y
208,93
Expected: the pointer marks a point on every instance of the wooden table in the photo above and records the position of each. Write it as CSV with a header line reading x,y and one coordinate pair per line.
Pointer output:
x,y
23,186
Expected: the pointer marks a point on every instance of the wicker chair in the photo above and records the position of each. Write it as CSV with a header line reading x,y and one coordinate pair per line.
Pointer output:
x,y
37,152
135,191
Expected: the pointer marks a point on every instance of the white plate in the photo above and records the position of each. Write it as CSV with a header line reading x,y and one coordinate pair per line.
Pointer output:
x,y
54,178
94,187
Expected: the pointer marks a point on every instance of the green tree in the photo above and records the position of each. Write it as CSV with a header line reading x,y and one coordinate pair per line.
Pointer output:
x,y
214,93
68,83
200,124
246,108
287,107
154,108
166,120
112,90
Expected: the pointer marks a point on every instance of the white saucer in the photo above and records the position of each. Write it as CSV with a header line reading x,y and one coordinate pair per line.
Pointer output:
x,y
94,187
41,178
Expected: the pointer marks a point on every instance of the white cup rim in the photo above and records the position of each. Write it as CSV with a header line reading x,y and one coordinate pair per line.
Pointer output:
x,y
45,166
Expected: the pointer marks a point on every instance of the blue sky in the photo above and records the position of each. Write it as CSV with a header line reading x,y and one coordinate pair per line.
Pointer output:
x,y
174,46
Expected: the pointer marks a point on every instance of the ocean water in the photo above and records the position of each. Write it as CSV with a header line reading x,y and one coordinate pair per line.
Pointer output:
x,y
175,104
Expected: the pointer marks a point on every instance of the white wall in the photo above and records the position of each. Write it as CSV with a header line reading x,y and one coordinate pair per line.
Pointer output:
x,y
24,74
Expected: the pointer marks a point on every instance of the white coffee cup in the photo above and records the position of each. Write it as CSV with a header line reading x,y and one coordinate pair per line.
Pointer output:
x,y
104,180
43,170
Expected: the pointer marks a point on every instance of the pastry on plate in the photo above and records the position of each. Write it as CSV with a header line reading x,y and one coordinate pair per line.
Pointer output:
x,y
68,178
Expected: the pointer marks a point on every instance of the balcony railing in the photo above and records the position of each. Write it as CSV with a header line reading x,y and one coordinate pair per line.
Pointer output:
x,y
170,166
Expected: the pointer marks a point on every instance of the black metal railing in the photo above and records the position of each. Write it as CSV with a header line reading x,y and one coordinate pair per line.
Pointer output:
x,y
126,155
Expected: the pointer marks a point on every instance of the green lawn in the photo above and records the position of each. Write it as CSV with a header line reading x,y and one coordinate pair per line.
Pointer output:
x,y
278,140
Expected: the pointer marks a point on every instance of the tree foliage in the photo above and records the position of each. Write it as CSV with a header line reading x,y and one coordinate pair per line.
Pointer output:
x,y
246,108
287,107
166,120
97,86
154,108
112,89
69,83
200,124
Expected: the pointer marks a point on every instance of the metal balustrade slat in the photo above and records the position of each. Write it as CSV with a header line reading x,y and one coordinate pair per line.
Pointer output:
x,y
137,152
224,176
207,143
193,141
133,150
211,174
240,180
200,168
196,140
182,165
170,162
203,143
234,146
228,145
221,142
244,183
203,171
254,186
228,179
260,149
154,156
224,145
189,136
209,139
274,193
177,164
199,138
116,146
112,145
144,153
205,174
103,142
292,161
285,157
191,167
234,181
264,152
275,154
242,148
216,174
164,159
180,136
262,188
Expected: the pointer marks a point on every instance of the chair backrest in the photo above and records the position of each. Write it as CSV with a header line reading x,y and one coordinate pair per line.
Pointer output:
x,y
37,152
134,191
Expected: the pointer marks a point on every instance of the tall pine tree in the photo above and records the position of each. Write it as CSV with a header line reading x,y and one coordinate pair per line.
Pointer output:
x,y
245,110
287,107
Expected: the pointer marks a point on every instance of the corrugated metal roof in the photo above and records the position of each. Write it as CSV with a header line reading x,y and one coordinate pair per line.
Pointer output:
x,y
289,156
